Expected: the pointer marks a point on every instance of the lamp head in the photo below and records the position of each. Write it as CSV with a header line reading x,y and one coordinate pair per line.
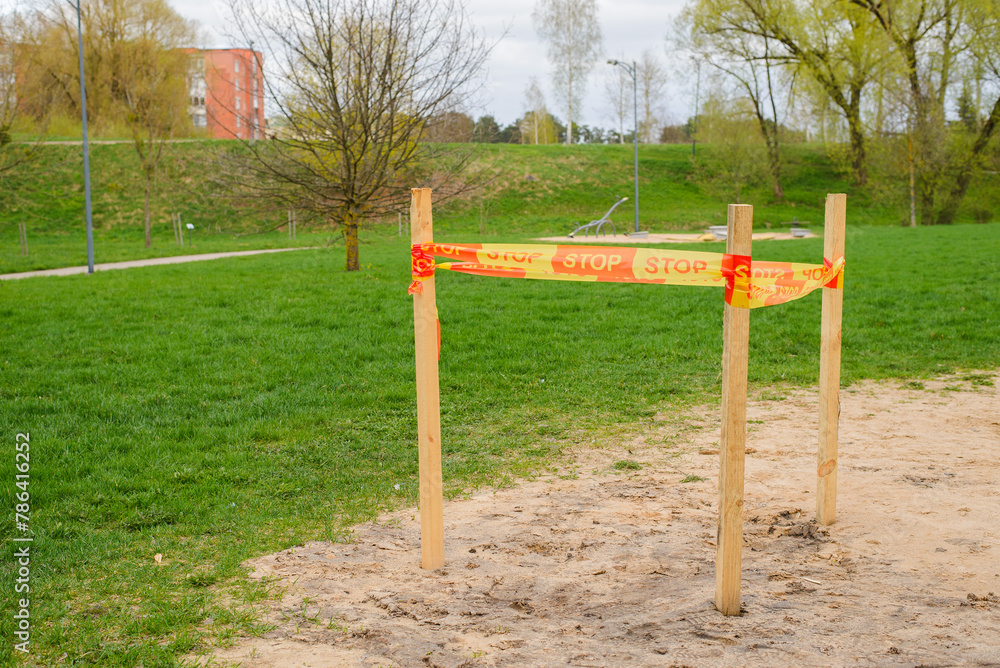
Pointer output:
x,y
612,62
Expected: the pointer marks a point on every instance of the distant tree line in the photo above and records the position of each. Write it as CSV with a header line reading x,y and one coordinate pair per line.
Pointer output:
x,y
461,127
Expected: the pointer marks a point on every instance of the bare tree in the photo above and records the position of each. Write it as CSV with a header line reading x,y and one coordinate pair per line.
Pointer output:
x,y
574,37
618,98
354,84
450,126
651,78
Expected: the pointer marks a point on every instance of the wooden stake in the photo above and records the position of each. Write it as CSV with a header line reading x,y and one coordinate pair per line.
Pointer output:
x,y
180,229
23,230
829,366
173,223
289,223
735,351
425,329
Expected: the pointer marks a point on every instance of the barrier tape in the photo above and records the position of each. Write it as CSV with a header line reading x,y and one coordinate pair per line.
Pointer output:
x,y
749,284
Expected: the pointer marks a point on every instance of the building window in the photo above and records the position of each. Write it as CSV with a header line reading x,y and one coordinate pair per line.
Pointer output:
x,y
239,120
237,102
236,64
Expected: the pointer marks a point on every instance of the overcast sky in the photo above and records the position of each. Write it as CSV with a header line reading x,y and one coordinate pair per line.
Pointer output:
x,y
629,27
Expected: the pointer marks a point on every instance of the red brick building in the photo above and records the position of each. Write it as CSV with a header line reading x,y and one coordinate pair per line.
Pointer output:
x,y
227,93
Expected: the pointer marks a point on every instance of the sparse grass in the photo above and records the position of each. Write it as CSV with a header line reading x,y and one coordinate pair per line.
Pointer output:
x,y
626,465
693,478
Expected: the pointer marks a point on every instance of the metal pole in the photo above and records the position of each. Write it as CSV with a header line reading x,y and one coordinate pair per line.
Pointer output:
x,y
635,122
694,130
86,146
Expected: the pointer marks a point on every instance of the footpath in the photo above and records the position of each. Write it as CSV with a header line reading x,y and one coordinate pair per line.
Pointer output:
x,y
149,262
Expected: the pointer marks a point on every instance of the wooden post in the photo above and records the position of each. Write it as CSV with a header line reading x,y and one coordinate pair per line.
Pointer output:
x,y
425,329
735,351
180,229
23,233
289,223
829,366
173,223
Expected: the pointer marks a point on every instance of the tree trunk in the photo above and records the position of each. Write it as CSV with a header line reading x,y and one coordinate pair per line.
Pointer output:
x,y
957,194
776,189
859,161
145,210
770,134
351,240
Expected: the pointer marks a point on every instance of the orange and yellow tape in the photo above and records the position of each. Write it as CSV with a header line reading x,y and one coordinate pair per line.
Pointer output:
x,y
749,284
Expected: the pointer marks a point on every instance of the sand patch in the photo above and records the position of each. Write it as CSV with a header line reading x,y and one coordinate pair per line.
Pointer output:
x,y
610,566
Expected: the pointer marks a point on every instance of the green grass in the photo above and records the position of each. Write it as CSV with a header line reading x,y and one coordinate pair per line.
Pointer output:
x,y
567,185
214,411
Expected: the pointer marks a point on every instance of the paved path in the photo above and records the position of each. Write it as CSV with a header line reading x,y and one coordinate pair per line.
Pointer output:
x,y
175,259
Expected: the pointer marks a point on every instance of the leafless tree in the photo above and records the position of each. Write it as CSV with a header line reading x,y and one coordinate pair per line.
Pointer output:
x,y
352,86
618,98
574,37
651,79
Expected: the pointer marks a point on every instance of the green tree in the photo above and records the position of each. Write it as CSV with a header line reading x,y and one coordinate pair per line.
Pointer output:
x,y
833,43
983,18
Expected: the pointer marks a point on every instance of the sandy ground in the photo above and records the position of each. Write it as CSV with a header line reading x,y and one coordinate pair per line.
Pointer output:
x,y
658,238
605,567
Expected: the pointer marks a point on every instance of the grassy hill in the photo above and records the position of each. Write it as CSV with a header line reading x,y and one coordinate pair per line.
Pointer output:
x,y
537,190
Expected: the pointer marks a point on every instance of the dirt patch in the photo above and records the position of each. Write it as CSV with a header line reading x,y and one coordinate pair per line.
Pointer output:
x,y
609,565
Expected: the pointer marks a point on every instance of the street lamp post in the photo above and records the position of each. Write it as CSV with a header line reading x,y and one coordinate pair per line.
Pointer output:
x,y
694,130
631,69
86,147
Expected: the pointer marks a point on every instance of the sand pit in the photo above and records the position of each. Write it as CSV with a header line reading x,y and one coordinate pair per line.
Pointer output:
x,y
605,566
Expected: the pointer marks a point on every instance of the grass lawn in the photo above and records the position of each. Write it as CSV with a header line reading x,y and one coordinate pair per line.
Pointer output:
x,y
213,411
538,190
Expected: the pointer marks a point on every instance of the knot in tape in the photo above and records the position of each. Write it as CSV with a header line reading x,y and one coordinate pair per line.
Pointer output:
x,y
421,267
837,281
736,271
